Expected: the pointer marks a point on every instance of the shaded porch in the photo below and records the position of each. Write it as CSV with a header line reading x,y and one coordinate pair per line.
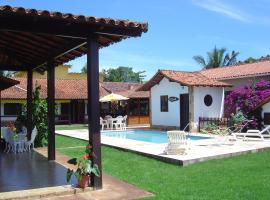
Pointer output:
x,y
40,40
31,176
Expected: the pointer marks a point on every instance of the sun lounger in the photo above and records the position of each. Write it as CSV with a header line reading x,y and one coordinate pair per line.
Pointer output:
x,y
177,142
253,134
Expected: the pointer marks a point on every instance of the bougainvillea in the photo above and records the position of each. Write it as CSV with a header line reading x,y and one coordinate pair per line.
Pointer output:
x,y
246,98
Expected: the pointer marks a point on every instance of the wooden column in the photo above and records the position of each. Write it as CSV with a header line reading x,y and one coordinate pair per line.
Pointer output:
x,y
0,115
51,110
29,103
93,106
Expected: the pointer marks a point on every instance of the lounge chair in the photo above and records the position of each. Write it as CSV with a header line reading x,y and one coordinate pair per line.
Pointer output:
x,y
253,134
177,143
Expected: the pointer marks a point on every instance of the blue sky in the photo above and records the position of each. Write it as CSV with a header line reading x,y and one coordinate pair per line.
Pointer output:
x,y
178,29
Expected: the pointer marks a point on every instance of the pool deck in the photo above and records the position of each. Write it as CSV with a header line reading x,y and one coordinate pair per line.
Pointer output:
x,y
199,150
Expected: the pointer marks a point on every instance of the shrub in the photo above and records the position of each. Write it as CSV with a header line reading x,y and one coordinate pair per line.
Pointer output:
x,y
246,98
40,119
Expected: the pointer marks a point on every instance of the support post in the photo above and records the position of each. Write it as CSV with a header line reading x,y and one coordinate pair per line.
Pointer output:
x,y
93,106
0,115
51,109
29,103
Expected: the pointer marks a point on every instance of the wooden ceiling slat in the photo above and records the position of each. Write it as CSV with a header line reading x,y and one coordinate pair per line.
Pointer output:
x,y
21,44
40,38
30,40
20,54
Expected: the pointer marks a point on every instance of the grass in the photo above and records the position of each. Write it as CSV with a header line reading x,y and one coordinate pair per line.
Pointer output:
x,y
242,177
70,127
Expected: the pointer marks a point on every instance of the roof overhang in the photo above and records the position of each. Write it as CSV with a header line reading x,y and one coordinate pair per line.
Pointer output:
x,y
6,83
160,75
30,37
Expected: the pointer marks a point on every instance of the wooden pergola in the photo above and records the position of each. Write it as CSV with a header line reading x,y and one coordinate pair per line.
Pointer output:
x,y
40,40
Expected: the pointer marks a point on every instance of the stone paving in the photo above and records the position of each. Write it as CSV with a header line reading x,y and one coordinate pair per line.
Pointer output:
x,y
199,150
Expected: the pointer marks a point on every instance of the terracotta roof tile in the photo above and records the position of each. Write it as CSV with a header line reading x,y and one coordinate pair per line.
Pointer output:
x,y
184,78
126,89
73,89
261,68
71,17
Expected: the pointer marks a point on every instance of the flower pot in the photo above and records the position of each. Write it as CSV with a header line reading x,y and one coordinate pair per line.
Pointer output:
x,y
84,182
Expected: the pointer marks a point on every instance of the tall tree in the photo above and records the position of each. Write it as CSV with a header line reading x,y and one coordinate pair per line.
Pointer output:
x,y
217,58
250,60
120,74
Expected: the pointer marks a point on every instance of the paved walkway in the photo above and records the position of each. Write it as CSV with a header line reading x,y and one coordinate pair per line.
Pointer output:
x,y
200,150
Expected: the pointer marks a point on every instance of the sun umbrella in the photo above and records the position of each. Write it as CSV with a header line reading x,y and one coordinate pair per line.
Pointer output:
x,y
113,97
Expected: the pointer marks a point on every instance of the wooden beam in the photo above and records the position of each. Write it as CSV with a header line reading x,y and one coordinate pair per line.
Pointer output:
x,y
0,115
14,68
63,28
93,106
51,109
60,52
29,103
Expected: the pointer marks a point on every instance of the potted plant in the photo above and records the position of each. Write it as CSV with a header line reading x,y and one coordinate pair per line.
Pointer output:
x,y
84,168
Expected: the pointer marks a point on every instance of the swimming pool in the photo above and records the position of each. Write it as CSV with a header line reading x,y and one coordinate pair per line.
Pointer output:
x,y
145,135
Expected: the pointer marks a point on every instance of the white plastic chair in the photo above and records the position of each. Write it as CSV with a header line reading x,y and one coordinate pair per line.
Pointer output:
x,y
7,135
103,123
118,123
124,125
177,142
30,143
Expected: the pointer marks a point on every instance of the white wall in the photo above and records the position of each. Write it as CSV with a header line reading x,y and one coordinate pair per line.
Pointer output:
x,y
200,109
172,117
265,109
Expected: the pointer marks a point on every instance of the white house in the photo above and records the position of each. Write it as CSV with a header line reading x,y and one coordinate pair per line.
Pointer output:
x,y
178,98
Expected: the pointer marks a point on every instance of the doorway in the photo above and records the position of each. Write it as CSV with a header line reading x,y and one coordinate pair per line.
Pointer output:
x,y
184,111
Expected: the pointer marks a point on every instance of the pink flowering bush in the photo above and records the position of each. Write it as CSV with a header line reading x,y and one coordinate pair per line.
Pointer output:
x,y
246,98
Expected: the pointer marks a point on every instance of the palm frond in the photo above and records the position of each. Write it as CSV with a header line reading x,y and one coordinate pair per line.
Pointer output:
x,y
200,60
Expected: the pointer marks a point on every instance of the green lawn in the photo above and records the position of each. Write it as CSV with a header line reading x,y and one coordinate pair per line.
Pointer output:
x,y
243,177
70,127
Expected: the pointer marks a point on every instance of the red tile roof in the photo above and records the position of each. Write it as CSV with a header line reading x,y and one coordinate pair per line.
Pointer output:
x,y
261,68
126,89
66,89
73,18
184,78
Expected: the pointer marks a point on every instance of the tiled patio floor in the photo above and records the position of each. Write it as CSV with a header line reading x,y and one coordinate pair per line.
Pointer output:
x,y
31,176
29,171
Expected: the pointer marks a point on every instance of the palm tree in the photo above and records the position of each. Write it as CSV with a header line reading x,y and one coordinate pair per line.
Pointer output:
x,y
217,58
230,59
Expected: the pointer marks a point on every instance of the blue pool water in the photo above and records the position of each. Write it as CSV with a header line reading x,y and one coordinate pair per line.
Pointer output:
x,y
145,136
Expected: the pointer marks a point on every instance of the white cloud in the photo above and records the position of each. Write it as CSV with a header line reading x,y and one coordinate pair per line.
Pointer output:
x,y
224,9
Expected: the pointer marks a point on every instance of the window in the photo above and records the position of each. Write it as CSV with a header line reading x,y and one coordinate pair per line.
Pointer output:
x,y
134,107
164,103
266,119
12,109
208,100
144,107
